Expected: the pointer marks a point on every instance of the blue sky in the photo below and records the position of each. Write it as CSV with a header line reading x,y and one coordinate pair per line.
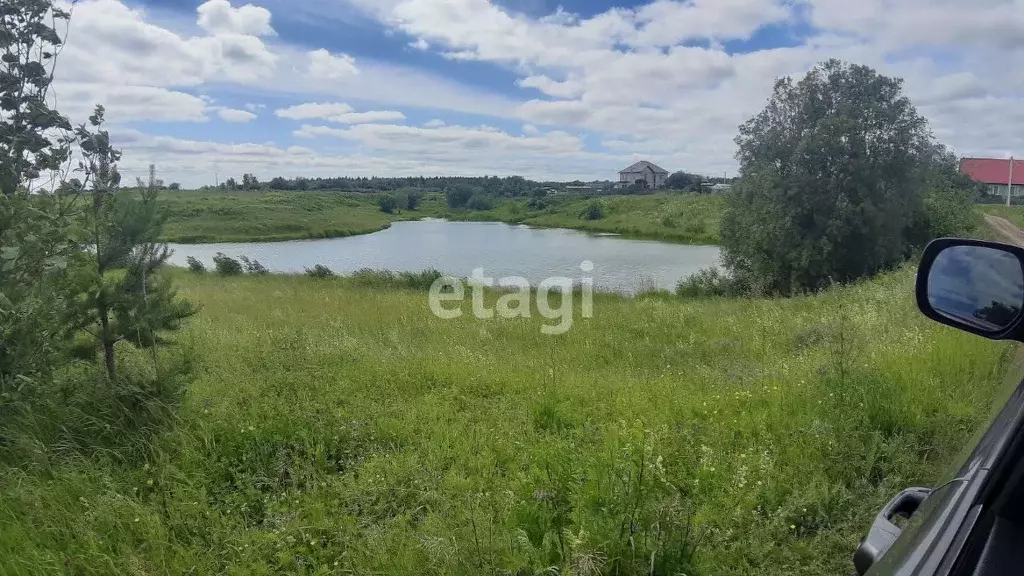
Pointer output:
x,y
563,90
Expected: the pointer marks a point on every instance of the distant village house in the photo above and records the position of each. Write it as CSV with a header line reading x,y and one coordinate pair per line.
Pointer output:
x,y
653,175
996,174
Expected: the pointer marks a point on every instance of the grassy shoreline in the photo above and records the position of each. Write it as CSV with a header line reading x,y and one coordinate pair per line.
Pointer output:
x,y
335,427
213,217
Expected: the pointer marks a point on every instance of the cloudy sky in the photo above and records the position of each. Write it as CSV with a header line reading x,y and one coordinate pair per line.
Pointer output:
x,y
547,89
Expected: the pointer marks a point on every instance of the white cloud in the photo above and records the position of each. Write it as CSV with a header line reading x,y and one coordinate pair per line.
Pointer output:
x,y
312,110
112,44
112,52
669,22
565,89
337,112
326,66
989,24
477,150
368,117
128,103
412,139
109,42
436,122
251,107
194,162
420,44
232,115
218,16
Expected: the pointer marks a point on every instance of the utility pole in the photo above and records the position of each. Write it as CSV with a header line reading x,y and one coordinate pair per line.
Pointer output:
x,y
1009,183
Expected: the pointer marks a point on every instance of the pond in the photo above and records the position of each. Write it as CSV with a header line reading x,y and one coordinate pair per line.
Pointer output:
x,y
502,250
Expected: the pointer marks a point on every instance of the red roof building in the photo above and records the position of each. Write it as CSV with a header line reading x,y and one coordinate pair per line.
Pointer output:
x,y
996,173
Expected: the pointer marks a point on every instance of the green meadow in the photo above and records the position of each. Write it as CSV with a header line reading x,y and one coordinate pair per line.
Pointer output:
x,y
250,216
267,215
336,426
1014,214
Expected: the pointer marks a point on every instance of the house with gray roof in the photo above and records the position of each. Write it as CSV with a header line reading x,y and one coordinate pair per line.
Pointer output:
x,y
652,174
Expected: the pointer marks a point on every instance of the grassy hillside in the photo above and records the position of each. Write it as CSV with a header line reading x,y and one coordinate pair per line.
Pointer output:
x,y
253,216
690,218
335,428
245,216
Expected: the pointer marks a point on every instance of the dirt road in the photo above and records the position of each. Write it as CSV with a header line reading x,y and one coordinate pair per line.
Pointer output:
x,y
1007,231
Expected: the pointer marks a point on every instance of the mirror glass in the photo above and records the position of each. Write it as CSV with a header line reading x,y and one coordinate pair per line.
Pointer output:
x,y
978,286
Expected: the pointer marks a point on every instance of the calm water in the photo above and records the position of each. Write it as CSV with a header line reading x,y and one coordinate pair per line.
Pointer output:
x,y
457,248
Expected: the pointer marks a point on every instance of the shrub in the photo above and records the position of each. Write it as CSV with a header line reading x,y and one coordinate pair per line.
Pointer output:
x,y
709,282
412,200
253,266
195,266
593,211
458,195
537,204
319,271
480,202
387,204
387,279
948,212
226,266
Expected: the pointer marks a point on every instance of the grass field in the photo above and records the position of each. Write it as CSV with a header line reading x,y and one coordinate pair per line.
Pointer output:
x,y
689,218
334,427
250,216
1014,214
254,216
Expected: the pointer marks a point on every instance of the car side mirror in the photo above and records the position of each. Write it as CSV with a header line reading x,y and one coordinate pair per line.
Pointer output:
x,y
974,285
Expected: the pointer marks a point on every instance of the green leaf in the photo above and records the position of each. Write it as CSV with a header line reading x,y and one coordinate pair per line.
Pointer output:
x,y
9,253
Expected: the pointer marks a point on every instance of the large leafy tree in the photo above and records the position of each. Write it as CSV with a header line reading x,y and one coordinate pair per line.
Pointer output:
x,y
684,181
35,246
29,147
833,178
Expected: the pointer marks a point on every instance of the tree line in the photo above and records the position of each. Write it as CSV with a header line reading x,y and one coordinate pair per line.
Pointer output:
x,y
509,186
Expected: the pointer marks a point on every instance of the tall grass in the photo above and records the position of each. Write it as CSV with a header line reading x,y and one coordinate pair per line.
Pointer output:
x,y
338,427
687,218
1014,214
253,216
